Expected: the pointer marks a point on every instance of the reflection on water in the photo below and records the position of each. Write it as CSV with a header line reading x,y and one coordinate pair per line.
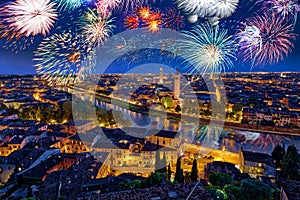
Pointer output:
x,y
209,136
139,119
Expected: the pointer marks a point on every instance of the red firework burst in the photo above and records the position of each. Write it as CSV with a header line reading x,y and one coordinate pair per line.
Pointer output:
x,y
173,19
132,21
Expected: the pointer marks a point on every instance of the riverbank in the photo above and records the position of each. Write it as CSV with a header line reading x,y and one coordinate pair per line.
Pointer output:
x,y
194,119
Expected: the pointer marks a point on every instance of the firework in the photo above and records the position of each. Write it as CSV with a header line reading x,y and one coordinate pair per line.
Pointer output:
x,y
154,21
70,4
96,28
28,18
144,12
105,6
265,39
195,7
250,41
173,19
61,57
133,4
207,135
213,10
287,9
263,141
169,47
125,48
132,21
223,9
144,17
208,49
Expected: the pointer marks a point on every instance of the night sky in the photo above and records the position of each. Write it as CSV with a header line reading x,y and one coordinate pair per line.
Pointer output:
x,y
21,62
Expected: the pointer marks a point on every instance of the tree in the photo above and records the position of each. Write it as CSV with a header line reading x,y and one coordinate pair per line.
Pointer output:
x,y
178,173
277,155
220,179
67,110
194,173
291,164
254,189
237,108
177,108
153,179
168,102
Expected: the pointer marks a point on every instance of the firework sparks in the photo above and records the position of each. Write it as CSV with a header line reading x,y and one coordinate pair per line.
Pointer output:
x,y
145,17
223,9
213,10
208,49
70,4
106,6
61,57
265,40
29,18
287,9
154,22
208,136
173,19
144,12
198,7
132,21
96,28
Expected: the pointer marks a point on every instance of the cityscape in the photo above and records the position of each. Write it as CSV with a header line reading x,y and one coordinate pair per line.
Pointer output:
x,y
147,142
149,100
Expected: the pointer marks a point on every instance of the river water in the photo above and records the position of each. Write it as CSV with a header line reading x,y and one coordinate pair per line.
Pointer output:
x,y
229,139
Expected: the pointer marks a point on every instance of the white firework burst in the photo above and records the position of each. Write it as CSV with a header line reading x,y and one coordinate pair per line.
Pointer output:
x,y
31,17
223,8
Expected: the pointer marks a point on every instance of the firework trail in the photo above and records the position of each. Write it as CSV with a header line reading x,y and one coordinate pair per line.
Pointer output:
x,y
96,28
208,49
27,18
61,57
222,9
213,10
288,9
154,19
144,17
70,4
106,6
207,135
172,19
265,39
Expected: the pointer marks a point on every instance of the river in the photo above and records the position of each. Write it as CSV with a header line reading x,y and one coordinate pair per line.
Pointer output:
x,y
232,141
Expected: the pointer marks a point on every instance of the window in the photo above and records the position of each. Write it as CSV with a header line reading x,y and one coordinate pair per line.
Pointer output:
x,y
259,165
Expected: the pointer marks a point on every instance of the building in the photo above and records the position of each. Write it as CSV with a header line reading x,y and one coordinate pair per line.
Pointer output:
x,y
165,138
177,84
161,80
257,164
224,167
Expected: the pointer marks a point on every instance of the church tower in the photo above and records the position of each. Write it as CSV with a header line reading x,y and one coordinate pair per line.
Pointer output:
x,y
161,80
177,84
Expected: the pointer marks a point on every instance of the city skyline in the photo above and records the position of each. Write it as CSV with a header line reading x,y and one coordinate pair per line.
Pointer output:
x,y
22,62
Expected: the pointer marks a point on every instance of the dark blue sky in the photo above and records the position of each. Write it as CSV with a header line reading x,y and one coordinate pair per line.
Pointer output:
x,y
20,63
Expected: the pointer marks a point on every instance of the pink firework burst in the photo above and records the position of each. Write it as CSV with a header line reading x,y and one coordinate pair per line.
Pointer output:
x,y
268,141
105,6
265,39
286,8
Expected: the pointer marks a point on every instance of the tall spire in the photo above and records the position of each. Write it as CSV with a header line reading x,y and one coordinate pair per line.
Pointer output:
x,y
161,81
177,84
